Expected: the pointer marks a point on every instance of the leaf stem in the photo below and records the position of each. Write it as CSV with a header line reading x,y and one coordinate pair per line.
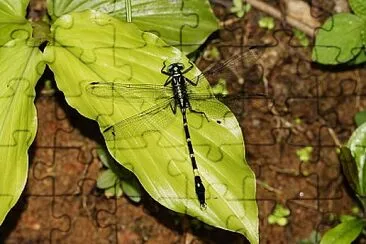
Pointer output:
x,y
128,11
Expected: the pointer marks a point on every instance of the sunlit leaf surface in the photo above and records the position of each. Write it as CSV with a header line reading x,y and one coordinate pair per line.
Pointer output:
x,y
13,24
21,67
19,71
340,40
184,24
92,48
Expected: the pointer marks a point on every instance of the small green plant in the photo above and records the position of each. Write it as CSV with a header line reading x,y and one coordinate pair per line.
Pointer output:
x,y
266,23
279,215
298,121
212,54
342,38
117,180
240,8
301,36
304,154
220,88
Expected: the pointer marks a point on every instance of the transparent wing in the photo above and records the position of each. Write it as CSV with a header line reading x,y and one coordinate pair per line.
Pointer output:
x,y
245,60
155,118
111,90
212,108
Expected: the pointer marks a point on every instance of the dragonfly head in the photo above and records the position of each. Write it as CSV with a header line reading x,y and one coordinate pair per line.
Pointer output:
x,y
175,68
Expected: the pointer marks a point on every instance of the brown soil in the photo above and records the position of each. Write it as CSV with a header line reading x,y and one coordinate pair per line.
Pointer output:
x,y
62,205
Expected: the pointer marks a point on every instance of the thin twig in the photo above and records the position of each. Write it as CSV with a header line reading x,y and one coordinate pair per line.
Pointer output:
x,y
268,187
278,15
334,137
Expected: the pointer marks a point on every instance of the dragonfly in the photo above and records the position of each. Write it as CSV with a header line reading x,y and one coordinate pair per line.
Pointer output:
x,y
177,93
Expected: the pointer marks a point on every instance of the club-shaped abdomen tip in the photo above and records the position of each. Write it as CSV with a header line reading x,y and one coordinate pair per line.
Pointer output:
x,y
200,191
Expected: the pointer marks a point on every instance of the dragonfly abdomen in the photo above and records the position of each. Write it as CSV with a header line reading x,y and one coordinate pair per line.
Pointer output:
x,y
199,187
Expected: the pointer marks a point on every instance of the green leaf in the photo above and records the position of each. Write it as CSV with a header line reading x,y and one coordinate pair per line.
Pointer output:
x,y
313,238
304,41
117,173
360,58
21,66
350,170
360,118
340,39
358,7
92,47
357,145
345,218
266,22
105,157
279,215
12,8
114,191
343,233
239,8
106,179
184,24
132,189
220,88
13,24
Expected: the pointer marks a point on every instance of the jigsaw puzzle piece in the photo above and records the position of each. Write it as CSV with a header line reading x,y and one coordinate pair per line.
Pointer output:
x,y
13,23
81,210
336,109
256,113
53,119
134,223
39,221
303,121
330,210
40,180
305,217
265,209
190,22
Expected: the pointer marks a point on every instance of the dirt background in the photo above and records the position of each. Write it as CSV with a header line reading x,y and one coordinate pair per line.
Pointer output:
x,y
62,205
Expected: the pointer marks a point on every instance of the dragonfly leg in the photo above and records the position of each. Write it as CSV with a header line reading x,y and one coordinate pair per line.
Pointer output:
x,y
163,69
168,81
199,112
189,68
191,82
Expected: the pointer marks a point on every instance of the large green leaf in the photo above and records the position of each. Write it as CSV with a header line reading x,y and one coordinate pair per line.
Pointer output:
x,y
93,47
359,7
340,39
354,162
345,232
183,23
349,167
357,145
13,24
360,117
13,8
20,69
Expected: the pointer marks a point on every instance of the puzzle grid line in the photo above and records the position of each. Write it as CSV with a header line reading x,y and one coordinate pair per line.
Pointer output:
x,y
62,198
